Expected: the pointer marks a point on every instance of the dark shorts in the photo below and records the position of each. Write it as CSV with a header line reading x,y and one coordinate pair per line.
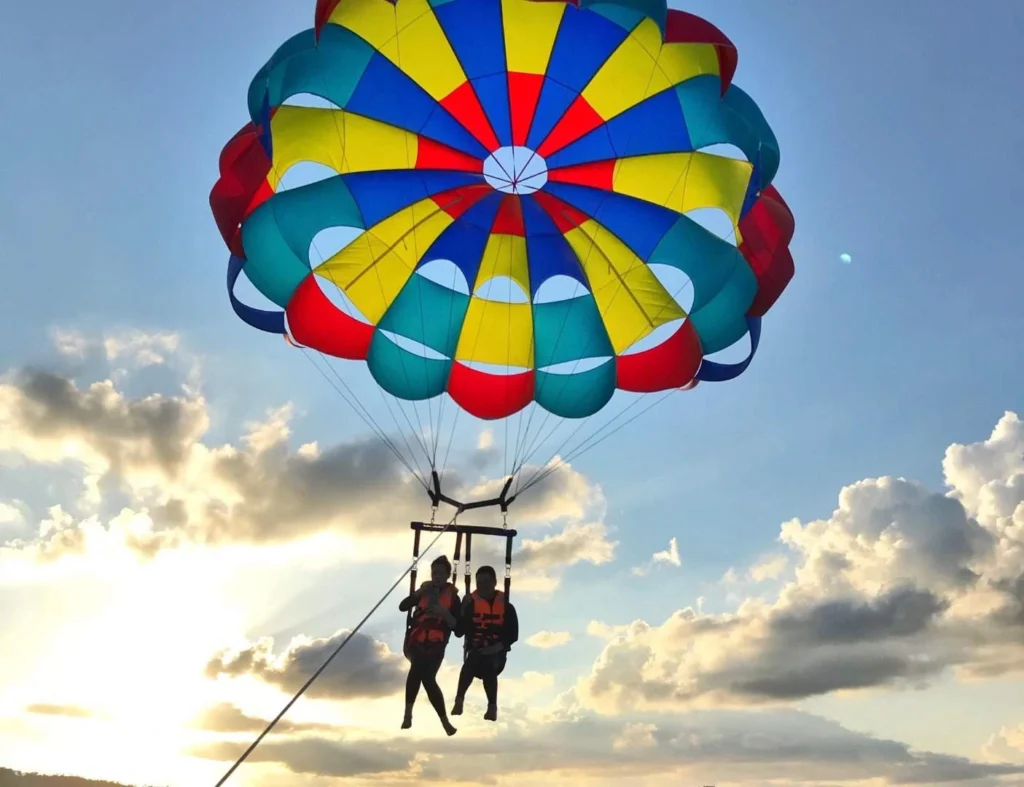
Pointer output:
x,y
423,652
485,666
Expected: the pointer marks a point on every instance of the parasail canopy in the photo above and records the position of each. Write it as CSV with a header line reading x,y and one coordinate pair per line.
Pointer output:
x,y
557,147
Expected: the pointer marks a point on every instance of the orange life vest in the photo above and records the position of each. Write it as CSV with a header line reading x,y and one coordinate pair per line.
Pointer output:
x,y
427,627
488,620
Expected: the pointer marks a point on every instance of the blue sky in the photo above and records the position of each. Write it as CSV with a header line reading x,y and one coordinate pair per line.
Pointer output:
x,y
902,145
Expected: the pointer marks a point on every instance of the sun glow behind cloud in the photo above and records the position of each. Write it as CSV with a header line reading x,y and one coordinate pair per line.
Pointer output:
x,y
136,665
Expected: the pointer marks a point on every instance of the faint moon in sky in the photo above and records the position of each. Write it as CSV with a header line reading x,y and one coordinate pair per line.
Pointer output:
x,y
846,259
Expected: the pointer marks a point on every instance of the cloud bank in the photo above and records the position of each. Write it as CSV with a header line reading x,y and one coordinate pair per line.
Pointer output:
x,y
182,490
897,586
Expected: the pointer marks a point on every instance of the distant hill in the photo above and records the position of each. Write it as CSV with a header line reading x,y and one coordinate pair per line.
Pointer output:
x,y
9,778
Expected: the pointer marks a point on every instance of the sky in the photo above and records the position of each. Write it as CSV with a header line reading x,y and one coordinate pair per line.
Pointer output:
x,y
813,574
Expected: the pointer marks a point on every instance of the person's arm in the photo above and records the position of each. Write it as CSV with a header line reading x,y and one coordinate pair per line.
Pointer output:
x,y
510,634
451,612
460,624
465,625
411,600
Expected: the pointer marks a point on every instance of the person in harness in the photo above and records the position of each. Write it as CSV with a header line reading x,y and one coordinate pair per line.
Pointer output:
x,y
490,625
434,606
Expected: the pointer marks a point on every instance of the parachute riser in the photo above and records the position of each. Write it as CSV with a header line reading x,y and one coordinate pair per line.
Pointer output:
x,y
503,501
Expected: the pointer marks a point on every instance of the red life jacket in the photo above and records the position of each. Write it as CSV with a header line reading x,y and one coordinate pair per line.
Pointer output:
x,y
488,620
429,628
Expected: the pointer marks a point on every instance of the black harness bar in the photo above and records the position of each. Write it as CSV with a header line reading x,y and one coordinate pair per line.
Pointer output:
x,y
437,497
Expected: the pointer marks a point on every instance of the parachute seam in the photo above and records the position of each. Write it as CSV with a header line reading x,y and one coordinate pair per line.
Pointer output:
x,y
604,197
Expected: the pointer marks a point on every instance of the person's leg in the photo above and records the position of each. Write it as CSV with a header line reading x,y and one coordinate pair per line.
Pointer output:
x,y
495,666
434,693
491,689
412,689
466,676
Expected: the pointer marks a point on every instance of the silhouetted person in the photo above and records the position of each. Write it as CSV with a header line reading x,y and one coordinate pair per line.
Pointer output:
x,y
435,605
490,625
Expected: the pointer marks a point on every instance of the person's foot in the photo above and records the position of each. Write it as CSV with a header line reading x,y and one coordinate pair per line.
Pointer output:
x,y
457,707
407,722
448,728
492,713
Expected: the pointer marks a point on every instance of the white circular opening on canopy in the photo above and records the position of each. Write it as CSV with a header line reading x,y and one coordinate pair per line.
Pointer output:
x,y
515,170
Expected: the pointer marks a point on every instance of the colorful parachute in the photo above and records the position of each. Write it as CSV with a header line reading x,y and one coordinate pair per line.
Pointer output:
x,y
525,139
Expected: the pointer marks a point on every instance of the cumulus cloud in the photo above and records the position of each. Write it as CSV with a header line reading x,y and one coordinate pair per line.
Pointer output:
x,y
549,639
70,343
1007,745
365,668
668,556
69,711
228,718
134,347
47,418
11,513
143,349
586,542
263,490
793,747
539,563
897,586
320,756
636,735
768,568
988,479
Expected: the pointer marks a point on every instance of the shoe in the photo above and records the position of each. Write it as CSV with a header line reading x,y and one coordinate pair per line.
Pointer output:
x,y
457,707
407,722
492,713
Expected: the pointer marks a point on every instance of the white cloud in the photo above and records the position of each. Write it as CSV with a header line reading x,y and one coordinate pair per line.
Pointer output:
x,y
599,630
568,746
226,717
273,432
11,513
988,479
134,348
519,692
668,556
539,563
47,419
366,668
769,568
70,343
636,735
896,587
549,639
184,491
1007,745
68,711
140,348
